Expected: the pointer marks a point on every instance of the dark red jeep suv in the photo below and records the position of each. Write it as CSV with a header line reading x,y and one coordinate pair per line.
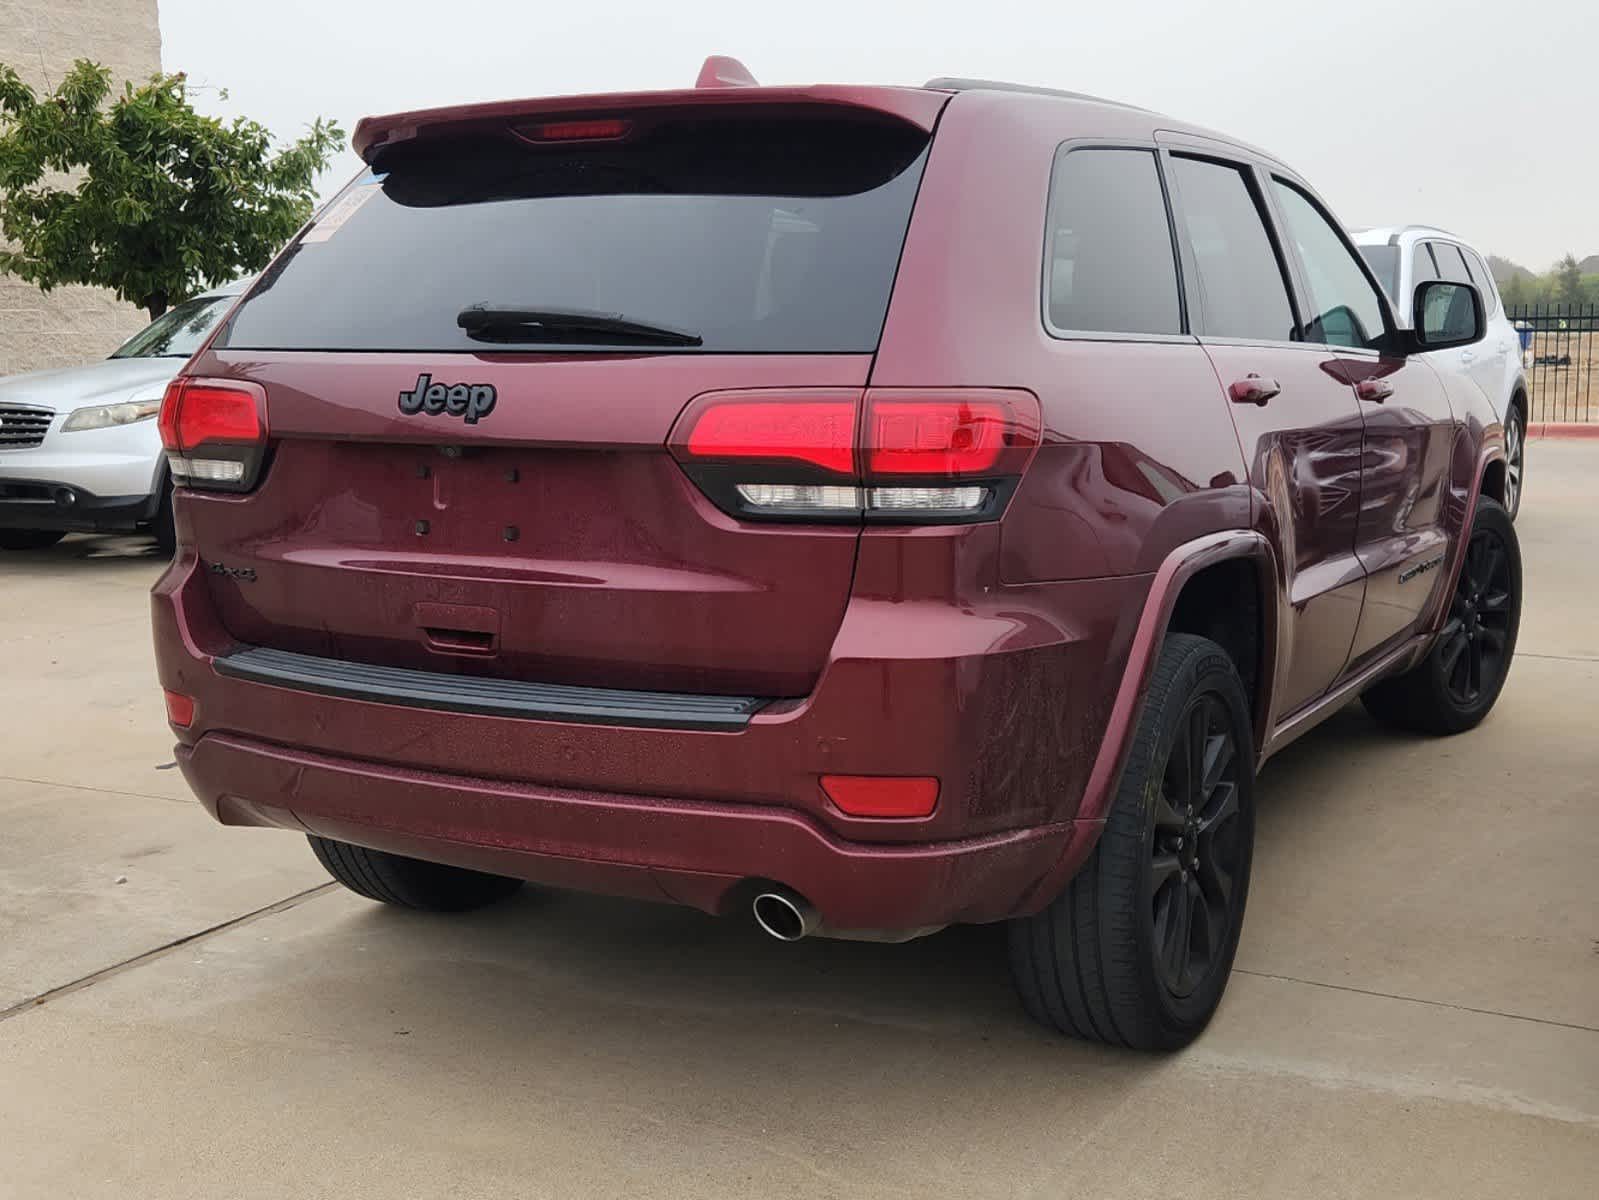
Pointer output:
x,y
872,507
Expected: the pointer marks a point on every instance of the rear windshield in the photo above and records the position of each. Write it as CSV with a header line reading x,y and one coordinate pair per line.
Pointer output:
x,y
1384,263
750,234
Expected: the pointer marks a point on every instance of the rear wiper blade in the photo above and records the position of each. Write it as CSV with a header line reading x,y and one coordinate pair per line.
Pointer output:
x,y
503,323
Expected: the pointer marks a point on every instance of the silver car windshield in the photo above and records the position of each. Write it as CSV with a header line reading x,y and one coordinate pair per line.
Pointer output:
x,y
178,332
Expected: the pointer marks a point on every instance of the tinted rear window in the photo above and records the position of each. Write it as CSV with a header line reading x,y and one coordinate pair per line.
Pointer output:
x,y
755,234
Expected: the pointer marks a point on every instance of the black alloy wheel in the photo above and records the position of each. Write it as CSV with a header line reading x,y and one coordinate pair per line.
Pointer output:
x,y
1196,852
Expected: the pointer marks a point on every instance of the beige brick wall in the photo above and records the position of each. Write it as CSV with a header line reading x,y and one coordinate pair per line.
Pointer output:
x,y
41,38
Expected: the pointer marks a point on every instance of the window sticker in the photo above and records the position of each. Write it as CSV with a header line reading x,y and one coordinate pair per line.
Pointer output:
x,y
338,212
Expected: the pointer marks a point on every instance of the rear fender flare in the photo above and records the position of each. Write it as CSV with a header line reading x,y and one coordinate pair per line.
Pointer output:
x,y
1178,567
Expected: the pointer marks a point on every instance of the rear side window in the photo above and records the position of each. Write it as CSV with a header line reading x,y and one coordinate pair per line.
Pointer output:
x,y
1347,308
1111,267
1240,282
751,233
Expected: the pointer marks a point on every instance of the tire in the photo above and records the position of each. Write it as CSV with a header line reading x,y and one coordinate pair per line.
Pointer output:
x,y
1515,459
1478,637
1098,962
29,539
410,882
163,528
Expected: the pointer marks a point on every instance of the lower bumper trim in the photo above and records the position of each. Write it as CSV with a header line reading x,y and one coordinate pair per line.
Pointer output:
x,y
494,697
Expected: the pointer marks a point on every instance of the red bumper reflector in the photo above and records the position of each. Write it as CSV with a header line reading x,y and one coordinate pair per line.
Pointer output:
x,y
882,795
180,709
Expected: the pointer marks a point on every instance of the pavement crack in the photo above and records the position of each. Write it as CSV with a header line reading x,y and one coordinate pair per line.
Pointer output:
x,y
138,960
1583,658
85,787
1360,991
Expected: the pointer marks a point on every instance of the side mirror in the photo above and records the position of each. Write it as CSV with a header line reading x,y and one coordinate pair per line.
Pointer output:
x,y
1447,314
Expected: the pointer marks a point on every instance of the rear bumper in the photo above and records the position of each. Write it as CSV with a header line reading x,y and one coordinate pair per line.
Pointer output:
x,y
706,856
1004,696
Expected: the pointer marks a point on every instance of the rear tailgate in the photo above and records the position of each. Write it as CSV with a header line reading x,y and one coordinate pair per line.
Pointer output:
x,y
552,537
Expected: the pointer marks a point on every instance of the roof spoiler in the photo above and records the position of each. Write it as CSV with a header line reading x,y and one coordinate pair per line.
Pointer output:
x,y
720,71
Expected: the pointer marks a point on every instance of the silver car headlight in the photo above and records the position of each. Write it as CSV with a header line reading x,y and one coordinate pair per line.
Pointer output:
x,y
103,416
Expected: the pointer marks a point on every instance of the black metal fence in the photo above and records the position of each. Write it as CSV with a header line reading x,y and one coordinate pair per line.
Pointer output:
x,y
1560,355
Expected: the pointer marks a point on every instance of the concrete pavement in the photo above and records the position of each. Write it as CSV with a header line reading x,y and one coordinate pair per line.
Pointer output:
x,y
1415,1010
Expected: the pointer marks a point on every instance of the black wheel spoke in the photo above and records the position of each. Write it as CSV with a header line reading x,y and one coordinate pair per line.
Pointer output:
x,y
1494,639
1218,757
1179,934
1453,648
1166,816
1496,602
1223,803
1209,921
1163,870
1215,880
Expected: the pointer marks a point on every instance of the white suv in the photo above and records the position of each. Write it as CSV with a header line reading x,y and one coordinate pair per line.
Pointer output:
x,y
1403,257
79,449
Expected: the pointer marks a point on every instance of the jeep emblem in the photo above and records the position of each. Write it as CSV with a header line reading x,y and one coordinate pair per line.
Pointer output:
x,y
473,401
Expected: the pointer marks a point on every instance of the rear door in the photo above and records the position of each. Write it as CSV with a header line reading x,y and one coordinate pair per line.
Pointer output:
x,y
494,494
1296,417
1409,424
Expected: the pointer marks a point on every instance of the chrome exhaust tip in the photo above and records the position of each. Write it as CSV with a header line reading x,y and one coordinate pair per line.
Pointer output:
x,y
787,916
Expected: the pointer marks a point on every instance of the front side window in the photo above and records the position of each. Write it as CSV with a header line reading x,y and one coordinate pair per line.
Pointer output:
x,y
1346,310
1111,268
1423,266
1384,263
1450,265
1240,282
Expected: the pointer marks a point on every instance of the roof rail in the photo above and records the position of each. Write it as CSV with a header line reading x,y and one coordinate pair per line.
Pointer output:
x,y
953,83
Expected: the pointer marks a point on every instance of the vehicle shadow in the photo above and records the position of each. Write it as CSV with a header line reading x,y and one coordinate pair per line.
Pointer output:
x,y
88,549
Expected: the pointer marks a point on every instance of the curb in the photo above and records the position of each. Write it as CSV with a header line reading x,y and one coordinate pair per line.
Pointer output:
x,y
1563,429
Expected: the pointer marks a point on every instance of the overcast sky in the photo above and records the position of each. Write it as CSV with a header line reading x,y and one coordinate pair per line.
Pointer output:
x,y
1472,115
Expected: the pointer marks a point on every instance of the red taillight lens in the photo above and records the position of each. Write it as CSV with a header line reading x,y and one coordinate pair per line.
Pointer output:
x,y
837,454
882,795
180,709
817,432
214,431
957,437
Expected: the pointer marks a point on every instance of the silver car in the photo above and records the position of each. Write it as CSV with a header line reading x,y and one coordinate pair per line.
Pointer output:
x,y
79,449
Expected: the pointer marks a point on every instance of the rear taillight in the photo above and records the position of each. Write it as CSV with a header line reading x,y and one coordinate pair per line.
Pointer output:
x,y
886,455
215,432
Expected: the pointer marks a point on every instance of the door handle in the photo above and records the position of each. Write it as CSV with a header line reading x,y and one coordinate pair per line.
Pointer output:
x,y
1374,390
1468,356
1252,389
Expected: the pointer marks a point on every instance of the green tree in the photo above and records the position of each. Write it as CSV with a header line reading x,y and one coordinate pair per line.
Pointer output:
x,y
144,195
1568,280
1514,293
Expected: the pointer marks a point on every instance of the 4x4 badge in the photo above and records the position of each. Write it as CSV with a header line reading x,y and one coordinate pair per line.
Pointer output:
x,y
472,401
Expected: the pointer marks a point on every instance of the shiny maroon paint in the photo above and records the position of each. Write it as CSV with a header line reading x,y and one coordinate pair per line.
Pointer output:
x,y
1008,659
